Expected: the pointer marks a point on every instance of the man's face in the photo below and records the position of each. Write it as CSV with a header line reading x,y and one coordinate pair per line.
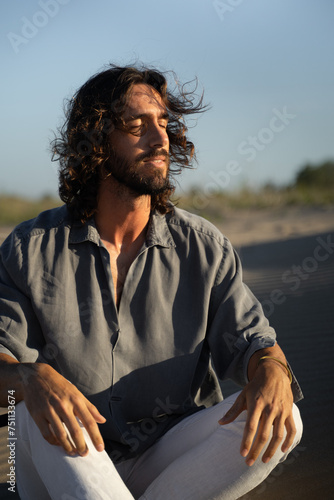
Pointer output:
x,y
141,152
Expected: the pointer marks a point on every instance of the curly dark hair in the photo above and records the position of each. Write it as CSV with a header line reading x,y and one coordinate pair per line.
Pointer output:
x,y
83,146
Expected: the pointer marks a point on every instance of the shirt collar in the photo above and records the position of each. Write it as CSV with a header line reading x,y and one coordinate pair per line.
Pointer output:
x,y
84,232
158,233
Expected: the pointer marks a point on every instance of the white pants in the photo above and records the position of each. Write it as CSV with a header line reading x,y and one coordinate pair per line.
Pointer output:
x,y
198,459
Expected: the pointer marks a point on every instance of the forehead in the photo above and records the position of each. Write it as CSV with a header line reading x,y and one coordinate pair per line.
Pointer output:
x,y
144,99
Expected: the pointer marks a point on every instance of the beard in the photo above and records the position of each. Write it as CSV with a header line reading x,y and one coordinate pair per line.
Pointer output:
x,y
140,179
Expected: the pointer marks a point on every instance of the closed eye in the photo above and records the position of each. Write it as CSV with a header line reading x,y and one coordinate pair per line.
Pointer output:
x,y
136,127
163,124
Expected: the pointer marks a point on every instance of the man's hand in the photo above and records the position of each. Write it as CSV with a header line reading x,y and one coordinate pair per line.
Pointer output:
x,y
268,400
53,401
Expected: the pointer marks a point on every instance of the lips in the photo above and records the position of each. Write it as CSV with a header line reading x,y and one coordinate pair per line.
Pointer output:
x,y
159,161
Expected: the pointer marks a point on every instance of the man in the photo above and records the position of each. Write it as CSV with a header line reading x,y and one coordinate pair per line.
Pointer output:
x,y
116,307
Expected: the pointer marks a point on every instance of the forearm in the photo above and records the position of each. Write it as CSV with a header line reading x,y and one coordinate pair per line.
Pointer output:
x,y
13,377
22,377
10,379
274,351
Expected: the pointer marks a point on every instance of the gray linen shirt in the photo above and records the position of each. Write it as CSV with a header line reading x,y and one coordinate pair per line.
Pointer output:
x,y
147,364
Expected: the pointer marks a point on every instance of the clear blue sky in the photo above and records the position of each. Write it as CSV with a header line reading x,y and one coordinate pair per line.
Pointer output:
x,y
266,67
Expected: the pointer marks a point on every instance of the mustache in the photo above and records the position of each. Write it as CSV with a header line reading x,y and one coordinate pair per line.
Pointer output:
x,y
153,154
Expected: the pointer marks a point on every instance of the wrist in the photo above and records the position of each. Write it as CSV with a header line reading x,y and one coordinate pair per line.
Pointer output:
x,y
254,362
278,362
27,372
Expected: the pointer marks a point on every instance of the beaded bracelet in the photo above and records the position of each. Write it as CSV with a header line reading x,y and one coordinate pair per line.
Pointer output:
x,y
281,363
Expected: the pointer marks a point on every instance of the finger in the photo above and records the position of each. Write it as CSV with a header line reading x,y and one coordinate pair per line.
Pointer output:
x,y
251,428
47,423
81,408
95,413
60,435
70,437
238,407
47,432
262,436
277,437
89,422
290,433
75,435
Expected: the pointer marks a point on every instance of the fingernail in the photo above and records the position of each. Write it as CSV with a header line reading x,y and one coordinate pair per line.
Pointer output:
x,y
100,447
250,462
244,452
266,460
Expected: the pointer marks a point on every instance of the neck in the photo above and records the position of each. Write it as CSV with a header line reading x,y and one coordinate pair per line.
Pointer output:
x,y
122,216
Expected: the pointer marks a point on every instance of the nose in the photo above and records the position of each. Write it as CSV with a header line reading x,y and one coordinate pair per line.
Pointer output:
x,y
158,136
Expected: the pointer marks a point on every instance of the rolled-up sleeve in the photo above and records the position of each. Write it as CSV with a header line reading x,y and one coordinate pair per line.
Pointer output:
x,y
238,327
